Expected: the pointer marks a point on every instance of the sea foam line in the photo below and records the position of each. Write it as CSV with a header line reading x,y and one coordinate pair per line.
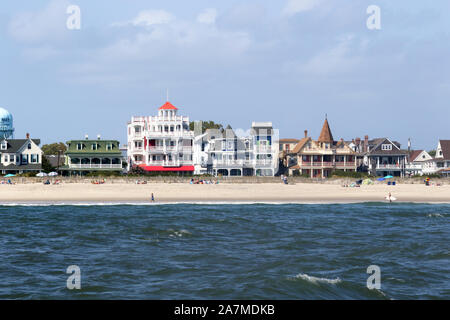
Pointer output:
x,y
317,280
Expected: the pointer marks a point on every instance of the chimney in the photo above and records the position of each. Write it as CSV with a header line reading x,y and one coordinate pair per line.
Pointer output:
x,y
87,137
98,137
366,143
28,135
358,144
306,133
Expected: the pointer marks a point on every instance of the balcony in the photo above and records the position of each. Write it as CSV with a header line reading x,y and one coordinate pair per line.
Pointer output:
x,y
388,167
95,166
350,164
166,163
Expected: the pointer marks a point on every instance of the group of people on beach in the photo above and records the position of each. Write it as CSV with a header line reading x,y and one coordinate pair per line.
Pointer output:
x,y
56,182
201,181
284,179
98,181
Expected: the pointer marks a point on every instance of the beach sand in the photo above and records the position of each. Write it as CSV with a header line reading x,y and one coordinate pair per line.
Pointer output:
x,y
224,192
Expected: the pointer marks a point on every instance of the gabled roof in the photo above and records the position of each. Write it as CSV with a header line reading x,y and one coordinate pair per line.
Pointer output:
x,y
14,145
376,149
445,147
167,106
300,145
289,140
414,154
325,134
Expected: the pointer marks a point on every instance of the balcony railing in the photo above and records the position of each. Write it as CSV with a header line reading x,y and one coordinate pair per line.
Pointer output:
x,y
170,163
95,166
389,166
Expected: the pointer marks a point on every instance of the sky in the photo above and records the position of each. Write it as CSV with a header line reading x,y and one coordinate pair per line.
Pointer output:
x,y
288,61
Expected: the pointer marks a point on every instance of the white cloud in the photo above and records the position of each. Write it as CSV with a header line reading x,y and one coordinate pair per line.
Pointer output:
x,y
296,6
42,25
152,17
344,56
207,16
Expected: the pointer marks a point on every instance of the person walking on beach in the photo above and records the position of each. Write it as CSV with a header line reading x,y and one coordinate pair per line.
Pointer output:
x,y
390,197
153,197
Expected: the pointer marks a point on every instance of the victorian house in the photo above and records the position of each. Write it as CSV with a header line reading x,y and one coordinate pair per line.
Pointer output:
x,y
222,152
161,143
319,158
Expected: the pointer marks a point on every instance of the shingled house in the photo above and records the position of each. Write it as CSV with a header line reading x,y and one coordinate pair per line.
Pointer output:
x,y
319,158
381,156
20,155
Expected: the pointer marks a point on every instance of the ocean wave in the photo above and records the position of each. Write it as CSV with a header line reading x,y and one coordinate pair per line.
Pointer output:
x,y
316,280
435,215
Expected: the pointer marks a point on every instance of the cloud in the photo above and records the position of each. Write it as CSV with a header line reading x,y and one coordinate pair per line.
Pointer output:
x,y
296,6
207,16
39,26
152,17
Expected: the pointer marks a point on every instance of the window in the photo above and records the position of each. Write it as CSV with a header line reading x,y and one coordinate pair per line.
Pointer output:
x,y
34,158
29,146
4,145
80,146
95,146
12,158
386,147
109,146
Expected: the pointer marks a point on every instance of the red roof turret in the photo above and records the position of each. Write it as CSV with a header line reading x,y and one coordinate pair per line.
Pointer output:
x,y
167,106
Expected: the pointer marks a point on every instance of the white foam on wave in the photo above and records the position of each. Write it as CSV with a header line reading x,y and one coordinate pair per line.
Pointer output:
x,y
316,280
433,215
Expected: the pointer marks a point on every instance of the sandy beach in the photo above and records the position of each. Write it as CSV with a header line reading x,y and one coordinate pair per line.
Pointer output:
x,y
184,192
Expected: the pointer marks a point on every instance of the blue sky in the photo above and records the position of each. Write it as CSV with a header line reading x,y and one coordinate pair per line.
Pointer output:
x,y
287,61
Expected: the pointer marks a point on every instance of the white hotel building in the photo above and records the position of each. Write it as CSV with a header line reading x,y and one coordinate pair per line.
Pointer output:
x,y
164,143
160,143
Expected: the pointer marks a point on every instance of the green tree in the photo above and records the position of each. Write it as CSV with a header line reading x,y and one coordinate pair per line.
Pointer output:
x,y
206,125
53,148
46,165
432,153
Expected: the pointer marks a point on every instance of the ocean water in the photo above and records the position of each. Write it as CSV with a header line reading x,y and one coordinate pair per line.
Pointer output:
x,y
225,251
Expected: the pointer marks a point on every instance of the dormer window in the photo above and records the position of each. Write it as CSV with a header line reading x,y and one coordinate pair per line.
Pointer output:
x,y
109,146
386,147
29,146
4,145
80,146
95,146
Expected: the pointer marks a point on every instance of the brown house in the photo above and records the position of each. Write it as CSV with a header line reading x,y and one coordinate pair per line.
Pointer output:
x,y
319,158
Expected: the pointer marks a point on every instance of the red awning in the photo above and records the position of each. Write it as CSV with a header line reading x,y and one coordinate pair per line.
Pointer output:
x,y
161,168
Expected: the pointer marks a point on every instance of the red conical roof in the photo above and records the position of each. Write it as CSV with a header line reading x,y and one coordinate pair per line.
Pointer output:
x,y
325,134
167,106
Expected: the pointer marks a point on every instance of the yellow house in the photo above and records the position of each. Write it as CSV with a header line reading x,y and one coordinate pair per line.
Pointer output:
x,y
319,158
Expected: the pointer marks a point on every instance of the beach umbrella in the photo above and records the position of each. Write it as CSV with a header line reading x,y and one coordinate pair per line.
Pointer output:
x,y
10,175
381,179
41,174
53,174
388,177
